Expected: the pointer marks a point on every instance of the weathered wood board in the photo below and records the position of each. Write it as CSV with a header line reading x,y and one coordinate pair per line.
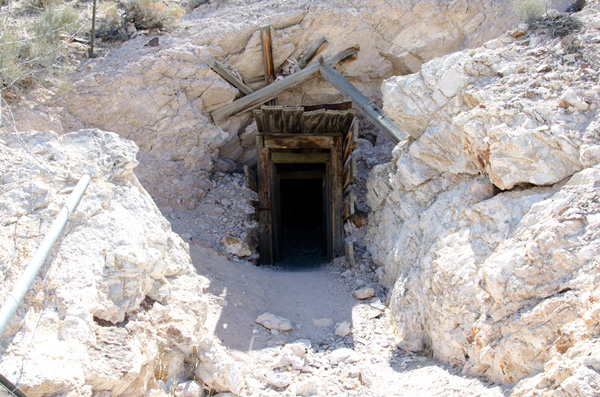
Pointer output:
x,y
228,75
271,91
250,179
366,107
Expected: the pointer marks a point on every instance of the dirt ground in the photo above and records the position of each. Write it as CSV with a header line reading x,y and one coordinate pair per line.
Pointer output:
x,y
315,300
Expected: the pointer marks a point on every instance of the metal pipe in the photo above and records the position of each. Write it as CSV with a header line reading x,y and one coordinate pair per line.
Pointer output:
x,y
10,387
22,286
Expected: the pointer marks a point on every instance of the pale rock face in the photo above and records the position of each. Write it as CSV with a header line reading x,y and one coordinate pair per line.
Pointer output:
x,y
486,226
161,97
118,296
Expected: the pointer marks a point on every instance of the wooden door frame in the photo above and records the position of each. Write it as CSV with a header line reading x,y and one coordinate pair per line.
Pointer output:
x,y
266,184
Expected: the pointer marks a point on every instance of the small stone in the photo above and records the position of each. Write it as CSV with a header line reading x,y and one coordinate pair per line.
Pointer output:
x,y
323,322
291,354
481,191
235,246
343,329
570,98
366,377
271,321
189,389
364,293
153,42
343,355
279,380
310,387
186,236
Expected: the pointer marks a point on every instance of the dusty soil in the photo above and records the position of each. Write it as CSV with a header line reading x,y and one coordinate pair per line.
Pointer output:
x,y
241,291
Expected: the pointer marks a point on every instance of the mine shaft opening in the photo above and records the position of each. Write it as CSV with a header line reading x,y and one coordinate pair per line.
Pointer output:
x,y
303,207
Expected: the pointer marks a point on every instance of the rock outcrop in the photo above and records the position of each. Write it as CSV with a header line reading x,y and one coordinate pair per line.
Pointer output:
x,y
487,225
160,97
118,306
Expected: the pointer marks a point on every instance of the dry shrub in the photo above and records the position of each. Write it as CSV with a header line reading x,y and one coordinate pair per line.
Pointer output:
x,y
530,9
560,25
110,24
149,14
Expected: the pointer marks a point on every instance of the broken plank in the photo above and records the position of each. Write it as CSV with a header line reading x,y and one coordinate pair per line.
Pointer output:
x,y
311,52
228,75
363,104
250,179
350,141
349,172
271,91
348,209
349,245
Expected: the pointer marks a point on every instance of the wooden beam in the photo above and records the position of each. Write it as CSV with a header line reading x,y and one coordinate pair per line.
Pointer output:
x,y
222,71
267,51
349,172
299,142
337,197
350,252
286,157
348,210
264,205
311,52
250,179
363,104
271,91
268,63
350,141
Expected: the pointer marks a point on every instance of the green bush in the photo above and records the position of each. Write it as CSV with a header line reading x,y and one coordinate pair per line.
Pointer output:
x,y
10,50
25,50
530,9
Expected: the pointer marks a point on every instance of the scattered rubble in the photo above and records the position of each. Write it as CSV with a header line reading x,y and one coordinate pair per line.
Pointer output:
x,y
364,293
274,322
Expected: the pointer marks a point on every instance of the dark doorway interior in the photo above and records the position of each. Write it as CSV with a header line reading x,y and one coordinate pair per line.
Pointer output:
x,y
302,214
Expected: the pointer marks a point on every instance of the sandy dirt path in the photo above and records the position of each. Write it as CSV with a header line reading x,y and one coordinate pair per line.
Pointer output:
x,y
240,292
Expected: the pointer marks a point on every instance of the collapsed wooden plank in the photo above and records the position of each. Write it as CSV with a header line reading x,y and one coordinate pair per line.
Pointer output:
x,y
222,71
250,179
349,172
363,104
271,91
350,140
311,52
348,209
349,251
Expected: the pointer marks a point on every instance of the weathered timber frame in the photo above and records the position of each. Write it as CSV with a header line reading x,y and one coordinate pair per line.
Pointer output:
x,y
294,136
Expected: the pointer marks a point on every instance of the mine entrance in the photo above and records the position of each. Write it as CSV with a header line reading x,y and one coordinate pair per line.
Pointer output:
x,y
302,208
304,170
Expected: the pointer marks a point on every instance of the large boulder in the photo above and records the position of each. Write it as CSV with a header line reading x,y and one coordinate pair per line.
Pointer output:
x,y
486,225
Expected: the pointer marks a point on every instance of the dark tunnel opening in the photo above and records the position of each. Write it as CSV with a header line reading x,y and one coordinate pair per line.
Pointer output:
x,y
302,216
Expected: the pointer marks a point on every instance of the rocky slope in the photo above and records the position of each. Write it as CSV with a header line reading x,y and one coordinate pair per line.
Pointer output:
x,y
118,306
161,96
487,225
